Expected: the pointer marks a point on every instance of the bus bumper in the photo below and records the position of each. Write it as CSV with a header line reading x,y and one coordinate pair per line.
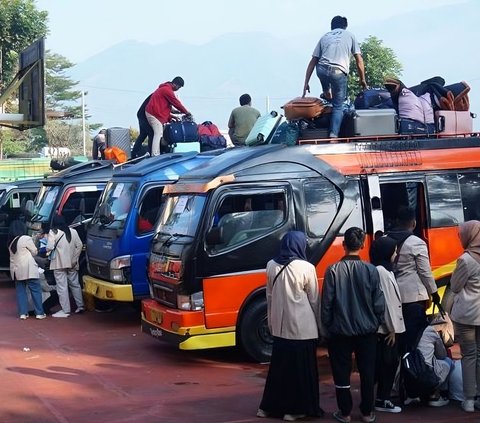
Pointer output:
x,y
182,328
104,290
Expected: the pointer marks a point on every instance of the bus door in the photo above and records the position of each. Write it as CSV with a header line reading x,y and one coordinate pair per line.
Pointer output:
x,y
404,193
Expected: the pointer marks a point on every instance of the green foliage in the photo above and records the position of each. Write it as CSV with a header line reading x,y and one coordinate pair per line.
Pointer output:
x,y
380,62
13,142
20,24
59,88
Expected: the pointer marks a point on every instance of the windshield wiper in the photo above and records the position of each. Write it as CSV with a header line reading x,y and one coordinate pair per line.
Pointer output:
x,y
172,238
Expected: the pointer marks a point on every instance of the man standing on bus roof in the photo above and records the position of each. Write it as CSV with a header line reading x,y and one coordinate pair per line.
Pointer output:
x,y
159,108
331,58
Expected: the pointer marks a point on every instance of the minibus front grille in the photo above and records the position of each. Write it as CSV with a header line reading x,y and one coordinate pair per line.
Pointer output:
x,y
164,294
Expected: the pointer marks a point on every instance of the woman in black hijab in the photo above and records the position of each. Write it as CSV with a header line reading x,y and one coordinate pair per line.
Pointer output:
x,y
293,309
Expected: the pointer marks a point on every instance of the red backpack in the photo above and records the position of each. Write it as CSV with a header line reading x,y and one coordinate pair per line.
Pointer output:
x,y
210,137
208,128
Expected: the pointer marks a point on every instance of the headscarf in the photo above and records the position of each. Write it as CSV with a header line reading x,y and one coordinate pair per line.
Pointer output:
x,y
294,246
381,252
470,237
58,222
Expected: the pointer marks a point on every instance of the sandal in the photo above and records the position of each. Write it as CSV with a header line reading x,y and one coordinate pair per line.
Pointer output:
x,y
372,418
339,417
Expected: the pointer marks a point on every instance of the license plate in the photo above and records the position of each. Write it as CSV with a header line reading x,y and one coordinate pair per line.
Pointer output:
x,y
157,316
91,288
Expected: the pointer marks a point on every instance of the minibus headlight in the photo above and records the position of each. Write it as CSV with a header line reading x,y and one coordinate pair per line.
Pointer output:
x,y
117,267
190,302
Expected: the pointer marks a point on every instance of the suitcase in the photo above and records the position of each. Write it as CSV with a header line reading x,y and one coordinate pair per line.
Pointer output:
x,y
185,147
375,122
119,137
453,122
264,128
303,108
178,132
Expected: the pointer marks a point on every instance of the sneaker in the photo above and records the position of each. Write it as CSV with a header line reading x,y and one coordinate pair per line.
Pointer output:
x,y
410,401
40,316
293,417
468,406
60,313
79,310
23,316
387,406
438,402
261,413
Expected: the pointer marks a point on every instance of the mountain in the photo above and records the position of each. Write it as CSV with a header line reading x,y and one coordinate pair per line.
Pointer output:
x,y
432,42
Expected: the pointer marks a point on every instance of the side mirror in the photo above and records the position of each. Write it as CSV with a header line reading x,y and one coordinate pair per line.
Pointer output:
x,y
214,236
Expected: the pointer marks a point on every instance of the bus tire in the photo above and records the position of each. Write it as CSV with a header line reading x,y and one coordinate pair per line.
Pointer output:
x,y
254,335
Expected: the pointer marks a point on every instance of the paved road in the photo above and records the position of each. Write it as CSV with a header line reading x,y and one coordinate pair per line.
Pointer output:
x,y
99,368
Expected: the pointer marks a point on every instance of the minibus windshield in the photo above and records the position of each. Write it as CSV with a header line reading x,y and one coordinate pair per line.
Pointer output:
x,y
181,215
115,204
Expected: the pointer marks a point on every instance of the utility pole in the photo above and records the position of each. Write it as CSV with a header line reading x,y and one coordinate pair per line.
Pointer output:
x,y
83,125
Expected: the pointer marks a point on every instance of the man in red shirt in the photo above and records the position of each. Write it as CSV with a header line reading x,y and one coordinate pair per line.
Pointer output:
x,y
159,108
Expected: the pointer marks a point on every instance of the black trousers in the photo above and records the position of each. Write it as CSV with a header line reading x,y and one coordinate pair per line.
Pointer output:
x,y
145,131
340,349
386,366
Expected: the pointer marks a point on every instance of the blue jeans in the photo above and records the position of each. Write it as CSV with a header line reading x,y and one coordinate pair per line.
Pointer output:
x,y
22,300
335,80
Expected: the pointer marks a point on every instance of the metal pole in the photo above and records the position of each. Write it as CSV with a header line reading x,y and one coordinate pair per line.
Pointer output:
x,y
83,125
267,104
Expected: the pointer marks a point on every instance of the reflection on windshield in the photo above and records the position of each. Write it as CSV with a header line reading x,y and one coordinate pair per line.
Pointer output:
x,y
118,197
45,201
181,215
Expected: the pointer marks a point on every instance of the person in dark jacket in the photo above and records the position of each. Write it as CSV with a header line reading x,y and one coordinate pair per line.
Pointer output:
x,y
352,309
145,130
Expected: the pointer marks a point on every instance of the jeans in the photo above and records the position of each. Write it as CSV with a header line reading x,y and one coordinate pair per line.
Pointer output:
x,y
468,337
22,300
157,133
335,80
340,349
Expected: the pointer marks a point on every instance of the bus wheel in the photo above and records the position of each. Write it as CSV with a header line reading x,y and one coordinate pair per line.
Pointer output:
x,y
255,337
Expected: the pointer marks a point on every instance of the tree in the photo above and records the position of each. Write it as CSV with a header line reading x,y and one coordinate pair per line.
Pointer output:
x,y
62,96
59,88
380,63
21,23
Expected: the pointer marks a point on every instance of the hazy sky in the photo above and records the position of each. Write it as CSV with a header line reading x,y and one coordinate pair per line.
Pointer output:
x,y
80,29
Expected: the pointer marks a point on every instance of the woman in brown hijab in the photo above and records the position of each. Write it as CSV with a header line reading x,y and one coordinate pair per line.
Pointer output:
x,y
465,283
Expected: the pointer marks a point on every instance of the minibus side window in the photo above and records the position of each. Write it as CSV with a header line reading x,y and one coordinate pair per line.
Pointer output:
x,y
322,201
243,217
445,200
149,208
470,190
